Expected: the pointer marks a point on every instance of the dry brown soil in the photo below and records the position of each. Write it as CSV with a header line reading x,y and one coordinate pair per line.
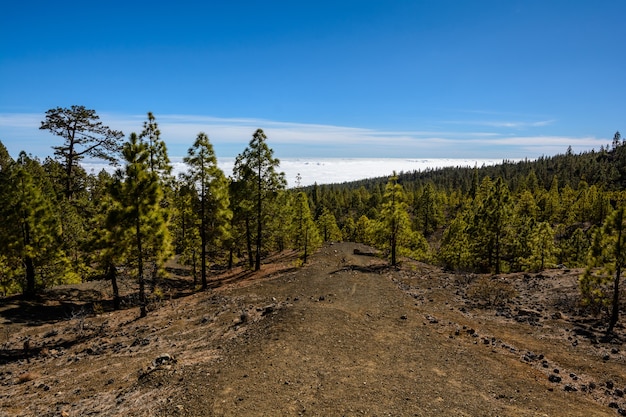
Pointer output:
x,y
343,336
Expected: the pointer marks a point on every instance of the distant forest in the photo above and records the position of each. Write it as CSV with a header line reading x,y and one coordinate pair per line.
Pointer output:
x,y
60,224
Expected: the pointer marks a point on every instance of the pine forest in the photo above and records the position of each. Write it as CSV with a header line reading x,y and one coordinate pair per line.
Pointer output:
x,y
61,225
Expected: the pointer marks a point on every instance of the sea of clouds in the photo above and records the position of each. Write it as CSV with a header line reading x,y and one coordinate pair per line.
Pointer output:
x,y
335,170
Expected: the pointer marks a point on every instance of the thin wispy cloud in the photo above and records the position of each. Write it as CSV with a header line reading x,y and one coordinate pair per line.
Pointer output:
x,y
504,123
231,135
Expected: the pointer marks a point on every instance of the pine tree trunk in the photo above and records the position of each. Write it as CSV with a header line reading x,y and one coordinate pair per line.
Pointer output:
x,y
203,241
194,269
249,242
29,263
306,240
618,273
615,306
30,276
259,241
142,286
68,171
112,275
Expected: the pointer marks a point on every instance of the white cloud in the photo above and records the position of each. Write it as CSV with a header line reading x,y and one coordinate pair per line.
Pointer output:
x,y
333,170
20,131
517,124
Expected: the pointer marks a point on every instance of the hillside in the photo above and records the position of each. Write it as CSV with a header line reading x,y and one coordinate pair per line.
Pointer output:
x,y
344,335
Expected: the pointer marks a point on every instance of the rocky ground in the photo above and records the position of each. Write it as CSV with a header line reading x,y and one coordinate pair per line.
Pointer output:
x,y
343,336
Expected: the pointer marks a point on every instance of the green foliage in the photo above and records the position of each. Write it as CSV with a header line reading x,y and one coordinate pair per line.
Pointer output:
x,y
490,216
212,211
599,285
185,226
9,282
392,231
574,249
455,252
31,230
256,172
327,225
306,238
363,230
514,216
158,160
542,248
428,209
83,135
142,234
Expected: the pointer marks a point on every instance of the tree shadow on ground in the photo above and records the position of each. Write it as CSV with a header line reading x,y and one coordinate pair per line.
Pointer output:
x,y
34,312
378,269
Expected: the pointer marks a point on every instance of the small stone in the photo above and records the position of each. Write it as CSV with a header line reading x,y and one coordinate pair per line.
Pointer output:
x,y
554,378
570,388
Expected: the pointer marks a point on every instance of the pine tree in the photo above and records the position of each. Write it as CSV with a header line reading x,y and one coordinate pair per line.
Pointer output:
x,y
327,225
394,226
137,193
84,135
491,210
606,261
185,223
158,164
30,231
348,230
257,166
542,247
214,212
107,248
278,228
427,209
363,230
519,228
551,203
306,237
158,161
241,223
456,250
575,249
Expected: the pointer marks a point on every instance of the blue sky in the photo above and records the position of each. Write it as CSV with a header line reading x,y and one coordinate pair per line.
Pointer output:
x,y
418,79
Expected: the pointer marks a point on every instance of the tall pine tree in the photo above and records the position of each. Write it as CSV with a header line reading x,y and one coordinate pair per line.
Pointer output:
x,y
600,284
213,211
138,194
257,167
83,135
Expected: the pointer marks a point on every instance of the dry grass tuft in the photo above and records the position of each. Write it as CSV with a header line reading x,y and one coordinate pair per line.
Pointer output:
x,y
27,376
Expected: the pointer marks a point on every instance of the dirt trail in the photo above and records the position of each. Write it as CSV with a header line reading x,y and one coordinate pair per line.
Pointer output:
x,y
343,336
348,342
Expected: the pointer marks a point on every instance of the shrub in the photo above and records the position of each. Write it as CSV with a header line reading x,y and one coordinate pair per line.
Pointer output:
x,y
491,291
